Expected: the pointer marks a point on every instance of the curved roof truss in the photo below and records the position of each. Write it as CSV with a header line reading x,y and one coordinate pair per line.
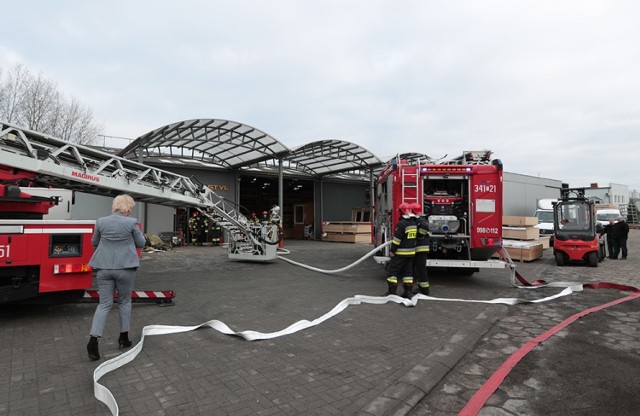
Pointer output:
x,y
221,142
326,157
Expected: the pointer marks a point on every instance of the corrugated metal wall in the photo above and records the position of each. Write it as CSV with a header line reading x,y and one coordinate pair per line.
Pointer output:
x,y
341,198
522,192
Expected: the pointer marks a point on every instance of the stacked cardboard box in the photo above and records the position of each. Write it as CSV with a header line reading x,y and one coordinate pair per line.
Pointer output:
x,y
523,250
521,238
347,232
545,241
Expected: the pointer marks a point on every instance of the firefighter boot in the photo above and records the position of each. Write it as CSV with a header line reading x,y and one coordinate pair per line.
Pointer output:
x,y
424,290
92,349
392,289
407,291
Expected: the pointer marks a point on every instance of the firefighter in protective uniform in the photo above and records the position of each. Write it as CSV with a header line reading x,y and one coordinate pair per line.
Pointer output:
x,y
216,231
198,226
422,250
403,249
193,227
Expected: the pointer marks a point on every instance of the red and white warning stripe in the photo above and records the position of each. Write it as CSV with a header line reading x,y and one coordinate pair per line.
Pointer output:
x,y
149,294
135,294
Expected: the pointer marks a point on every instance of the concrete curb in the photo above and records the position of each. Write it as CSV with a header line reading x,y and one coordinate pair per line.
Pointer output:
x,y
400,398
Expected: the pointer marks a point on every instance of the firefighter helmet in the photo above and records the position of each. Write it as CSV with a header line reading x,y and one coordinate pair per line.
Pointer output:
x,y
416,208
405,209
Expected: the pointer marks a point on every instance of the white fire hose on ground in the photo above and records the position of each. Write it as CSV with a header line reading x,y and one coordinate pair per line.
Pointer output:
x,y
104,395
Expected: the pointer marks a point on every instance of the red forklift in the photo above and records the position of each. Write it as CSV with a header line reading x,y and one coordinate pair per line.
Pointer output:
x,y
576,229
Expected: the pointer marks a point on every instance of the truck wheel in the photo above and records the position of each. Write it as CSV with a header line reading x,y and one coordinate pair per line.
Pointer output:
x,y
593,259
559,258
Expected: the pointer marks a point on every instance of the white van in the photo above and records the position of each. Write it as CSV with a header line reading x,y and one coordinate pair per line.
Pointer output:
x,y
544,214
603,215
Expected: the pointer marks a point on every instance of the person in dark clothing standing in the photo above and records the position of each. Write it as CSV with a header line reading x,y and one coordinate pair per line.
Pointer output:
x,y
620,234
202,230
608,232
422,250
216,231
403,249
193,227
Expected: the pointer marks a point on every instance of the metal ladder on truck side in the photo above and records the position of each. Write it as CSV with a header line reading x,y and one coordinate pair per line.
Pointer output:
x,y
410,184
58,163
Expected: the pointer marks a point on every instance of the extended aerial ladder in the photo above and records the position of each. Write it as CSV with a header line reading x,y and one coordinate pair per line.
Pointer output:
x,y
58,163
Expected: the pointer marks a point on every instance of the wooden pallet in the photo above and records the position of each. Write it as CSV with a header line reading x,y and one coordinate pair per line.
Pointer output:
x,y
348,238
523,250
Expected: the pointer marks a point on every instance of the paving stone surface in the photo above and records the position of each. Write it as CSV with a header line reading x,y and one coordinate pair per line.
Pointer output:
x,y
591,367
368,360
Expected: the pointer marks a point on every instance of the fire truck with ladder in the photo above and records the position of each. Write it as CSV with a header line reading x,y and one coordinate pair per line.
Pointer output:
x,y
42,256
460,198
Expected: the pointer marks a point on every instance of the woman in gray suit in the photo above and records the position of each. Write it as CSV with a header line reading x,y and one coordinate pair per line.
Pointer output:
x,y
115,258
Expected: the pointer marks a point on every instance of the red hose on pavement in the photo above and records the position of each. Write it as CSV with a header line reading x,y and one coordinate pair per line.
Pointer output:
x,y
491,385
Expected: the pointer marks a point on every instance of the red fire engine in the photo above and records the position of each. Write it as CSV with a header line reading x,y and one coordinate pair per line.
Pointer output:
x,y
39,256
461,200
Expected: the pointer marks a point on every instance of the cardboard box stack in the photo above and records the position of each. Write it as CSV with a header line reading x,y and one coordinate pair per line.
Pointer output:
x,y
347,232
521,238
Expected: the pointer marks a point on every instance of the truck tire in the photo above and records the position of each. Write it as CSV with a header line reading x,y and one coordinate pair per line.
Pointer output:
x,y
593,259
559,258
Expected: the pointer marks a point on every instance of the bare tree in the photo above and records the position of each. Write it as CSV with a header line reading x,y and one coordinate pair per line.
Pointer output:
x,y
75,123
38,102
35,103
12,93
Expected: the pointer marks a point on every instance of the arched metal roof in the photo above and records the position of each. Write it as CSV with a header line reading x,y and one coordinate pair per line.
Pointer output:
x,y
220,142
326,157
232,145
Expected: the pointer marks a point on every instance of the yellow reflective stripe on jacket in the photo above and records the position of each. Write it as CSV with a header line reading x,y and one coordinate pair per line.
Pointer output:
x,y
404,238
411,232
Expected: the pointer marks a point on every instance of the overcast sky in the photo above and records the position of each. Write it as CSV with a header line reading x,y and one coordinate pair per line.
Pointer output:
x,y
551,87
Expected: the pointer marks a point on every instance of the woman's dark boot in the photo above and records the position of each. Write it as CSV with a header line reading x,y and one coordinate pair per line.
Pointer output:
x,y
123,341
92,349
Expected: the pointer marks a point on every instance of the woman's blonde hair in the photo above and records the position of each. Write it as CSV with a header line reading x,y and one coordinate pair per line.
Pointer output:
x,y
122,203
